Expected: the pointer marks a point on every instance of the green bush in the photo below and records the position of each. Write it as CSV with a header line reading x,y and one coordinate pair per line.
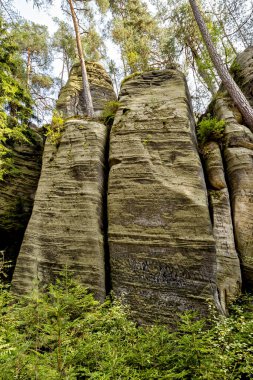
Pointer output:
x,y
63,333
109,112
210,129
55,129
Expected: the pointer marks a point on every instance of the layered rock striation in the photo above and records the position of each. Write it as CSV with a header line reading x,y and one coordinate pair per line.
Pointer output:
x,y
66,229
71,101
228,265
162,249
237,155
171,245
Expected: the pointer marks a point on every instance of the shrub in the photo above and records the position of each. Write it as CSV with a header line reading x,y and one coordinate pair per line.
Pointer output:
x,y
109,112
210,129
63,333
55,129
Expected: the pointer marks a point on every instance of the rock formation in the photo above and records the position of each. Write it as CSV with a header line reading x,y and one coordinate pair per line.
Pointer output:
x,y
237,153
174,237
162,250
16,197
67,224
71,100
228,265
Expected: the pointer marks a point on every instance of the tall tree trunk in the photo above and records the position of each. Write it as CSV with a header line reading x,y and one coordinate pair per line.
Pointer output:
x,y
86,87
63,66
228,82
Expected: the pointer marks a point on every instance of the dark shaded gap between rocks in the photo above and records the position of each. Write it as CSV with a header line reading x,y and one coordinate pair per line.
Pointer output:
x,y
108,284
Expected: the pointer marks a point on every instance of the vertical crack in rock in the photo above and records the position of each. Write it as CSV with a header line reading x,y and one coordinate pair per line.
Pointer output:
x,y
162,250
108,284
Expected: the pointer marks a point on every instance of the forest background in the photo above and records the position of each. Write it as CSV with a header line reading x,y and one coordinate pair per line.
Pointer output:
x,y
126,36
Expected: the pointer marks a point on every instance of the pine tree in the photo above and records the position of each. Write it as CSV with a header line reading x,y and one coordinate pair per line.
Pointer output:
x,y
136,31
86,87
15,100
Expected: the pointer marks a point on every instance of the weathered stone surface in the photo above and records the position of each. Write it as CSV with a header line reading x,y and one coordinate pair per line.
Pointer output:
x,y
228,265
162,250
243,73
238,159
239,168
214,166
66,226
17,196
71,101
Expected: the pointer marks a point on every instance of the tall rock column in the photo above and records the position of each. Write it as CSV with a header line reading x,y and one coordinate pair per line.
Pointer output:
x,y
66,229
162,250
228,265
238,159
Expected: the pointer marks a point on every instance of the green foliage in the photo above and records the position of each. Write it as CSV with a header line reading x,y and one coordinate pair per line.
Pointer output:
x,y
133,75
210,129
135,30
55,129
15,102
109,112
62,333
64,43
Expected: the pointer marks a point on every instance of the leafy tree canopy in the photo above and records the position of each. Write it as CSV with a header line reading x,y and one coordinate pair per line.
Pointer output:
x,y
15,100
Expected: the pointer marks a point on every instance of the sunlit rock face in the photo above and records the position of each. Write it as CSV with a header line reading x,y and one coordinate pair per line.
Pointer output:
x,y
71,101
66,227
66,230
17,196
162,249
165,235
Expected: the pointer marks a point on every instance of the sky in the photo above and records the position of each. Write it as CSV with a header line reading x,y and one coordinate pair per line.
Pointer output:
x,y
26,10
45,17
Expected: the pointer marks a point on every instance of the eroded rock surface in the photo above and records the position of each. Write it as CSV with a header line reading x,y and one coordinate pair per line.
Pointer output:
x,y
17,196
71,101
162,250
228,265
238,159
66,226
